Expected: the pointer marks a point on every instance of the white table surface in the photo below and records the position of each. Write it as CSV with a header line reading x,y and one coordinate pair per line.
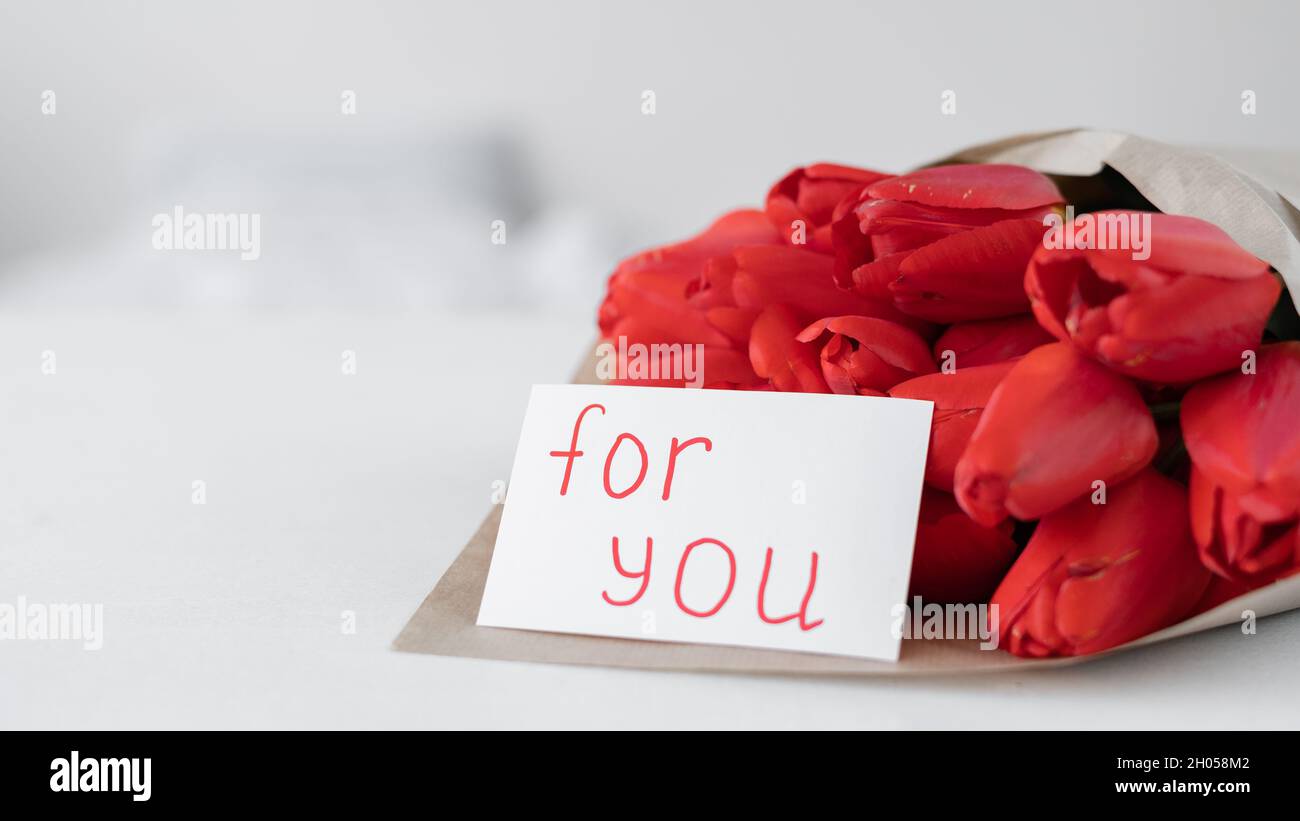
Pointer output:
x,y
328,493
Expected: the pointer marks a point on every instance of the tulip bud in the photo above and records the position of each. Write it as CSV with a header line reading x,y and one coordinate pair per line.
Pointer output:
x,y
866,355
802,203
1094,577
1057,423
1242,435
1185,311
946,244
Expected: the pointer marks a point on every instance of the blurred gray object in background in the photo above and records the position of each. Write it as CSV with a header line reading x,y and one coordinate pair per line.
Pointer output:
x,y
349,219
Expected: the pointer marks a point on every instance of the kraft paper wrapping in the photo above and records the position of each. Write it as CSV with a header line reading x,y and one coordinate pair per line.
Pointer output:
x,y
1255,197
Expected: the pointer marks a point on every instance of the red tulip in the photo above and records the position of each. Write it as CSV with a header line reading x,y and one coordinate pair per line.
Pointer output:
x,y
956,560
1188,311
1242,434
866,355
1057,423
803,202
990,340
947,244
1096,576
959,399
649,289
648,300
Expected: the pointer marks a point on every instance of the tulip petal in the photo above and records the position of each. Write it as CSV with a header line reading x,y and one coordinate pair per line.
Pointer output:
x,y
976,274
874,278
681,261
776,355
989,185
726,367
834,171
659,302
803,280
1220,591
1184,244
850,246
713,287
735,323
957,560
809,196
1240,428
984,342
959,399
1195,327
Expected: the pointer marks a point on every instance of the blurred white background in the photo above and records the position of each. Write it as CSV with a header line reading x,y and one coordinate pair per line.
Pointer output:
x,y
532,113
331,492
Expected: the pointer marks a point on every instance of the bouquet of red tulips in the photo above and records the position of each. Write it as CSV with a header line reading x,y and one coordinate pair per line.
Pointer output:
x,y
1114,444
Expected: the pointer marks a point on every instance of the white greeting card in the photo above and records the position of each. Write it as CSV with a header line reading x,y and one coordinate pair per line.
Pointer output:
x,y
759,519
